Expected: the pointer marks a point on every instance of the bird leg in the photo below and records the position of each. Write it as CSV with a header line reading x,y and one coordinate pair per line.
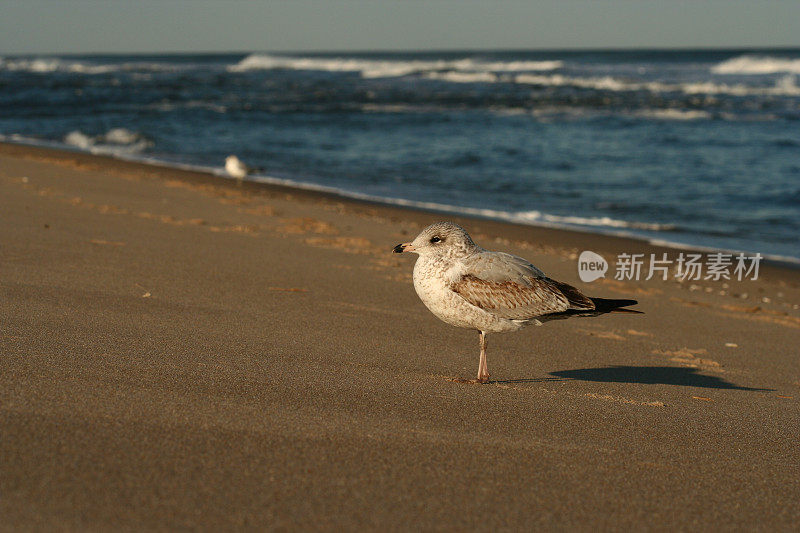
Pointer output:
x,y
483,369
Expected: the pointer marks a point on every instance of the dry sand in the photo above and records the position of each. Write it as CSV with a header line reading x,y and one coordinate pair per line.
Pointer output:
x,y
181,352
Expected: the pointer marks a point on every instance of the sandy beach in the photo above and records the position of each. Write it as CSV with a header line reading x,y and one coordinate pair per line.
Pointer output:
x,y
179,351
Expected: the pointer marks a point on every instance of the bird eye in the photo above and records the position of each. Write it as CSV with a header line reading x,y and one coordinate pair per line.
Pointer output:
x,y
435,239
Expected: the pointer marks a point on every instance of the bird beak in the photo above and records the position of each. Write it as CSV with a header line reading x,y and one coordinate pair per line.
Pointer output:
x,y
405,247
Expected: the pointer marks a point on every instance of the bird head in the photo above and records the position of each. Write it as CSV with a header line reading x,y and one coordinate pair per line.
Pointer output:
x,y
445,240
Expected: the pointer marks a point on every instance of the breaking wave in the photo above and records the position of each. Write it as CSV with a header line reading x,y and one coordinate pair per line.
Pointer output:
x,y
387,68
463,77
605,222
673,114
540,73
785,86
752,64
116,141
47,65
534,218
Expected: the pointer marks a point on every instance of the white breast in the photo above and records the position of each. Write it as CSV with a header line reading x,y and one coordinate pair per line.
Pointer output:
x,y
432,283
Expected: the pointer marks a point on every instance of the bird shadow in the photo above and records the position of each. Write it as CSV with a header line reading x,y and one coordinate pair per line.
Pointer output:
x,y
649,375
528,380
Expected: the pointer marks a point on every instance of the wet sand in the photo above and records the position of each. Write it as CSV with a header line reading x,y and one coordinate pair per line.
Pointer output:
x,y
182,352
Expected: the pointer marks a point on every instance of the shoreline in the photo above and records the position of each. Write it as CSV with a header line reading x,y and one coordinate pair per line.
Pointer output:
x,y
618,236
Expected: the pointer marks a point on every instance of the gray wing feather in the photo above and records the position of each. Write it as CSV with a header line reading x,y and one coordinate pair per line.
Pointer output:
x,y
500,267
510,287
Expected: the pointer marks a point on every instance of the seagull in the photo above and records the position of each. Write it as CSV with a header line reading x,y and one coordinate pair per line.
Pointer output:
x,y
491,292
236,168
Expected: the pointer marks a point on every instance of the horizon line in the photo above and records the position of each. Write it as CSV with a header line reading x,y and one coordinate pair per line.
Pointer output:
x,y
715,48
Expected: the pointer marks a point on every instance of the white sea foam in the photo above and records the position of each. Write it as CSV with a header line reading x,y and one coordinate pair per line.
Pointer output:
x,y
79,140
385,68
606,222
469,70
116,141
22,139
121,136
46,65
603,225
674,114
785,86
522,217
515,66
535,218
753,64
463,77
368,68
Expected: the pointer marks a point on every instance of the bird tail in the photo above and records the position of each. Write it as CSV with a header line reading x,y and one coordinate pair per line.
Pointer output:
x,y
606,305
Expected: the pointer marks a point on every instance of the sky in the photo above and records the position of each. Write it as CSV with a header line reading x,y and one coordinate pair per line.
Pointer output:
x,y
98,26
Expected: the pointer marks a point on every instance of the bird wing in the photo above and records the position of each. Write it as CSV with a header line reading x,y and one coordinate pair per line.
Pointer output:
x,y
510,287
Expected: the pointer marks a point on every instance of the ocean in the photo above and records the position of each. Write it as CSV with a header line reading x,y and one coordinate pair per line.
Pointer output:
x,y
689,147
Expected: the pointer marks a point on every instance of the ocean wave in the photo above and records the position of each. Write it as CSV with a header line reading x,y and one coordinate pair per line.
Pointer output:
x,y
47,65
752,64
787,260
673,114
116,141
785,86
600,225
516,66
79,140
534,218
605,222
463,77
469,70
386,68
